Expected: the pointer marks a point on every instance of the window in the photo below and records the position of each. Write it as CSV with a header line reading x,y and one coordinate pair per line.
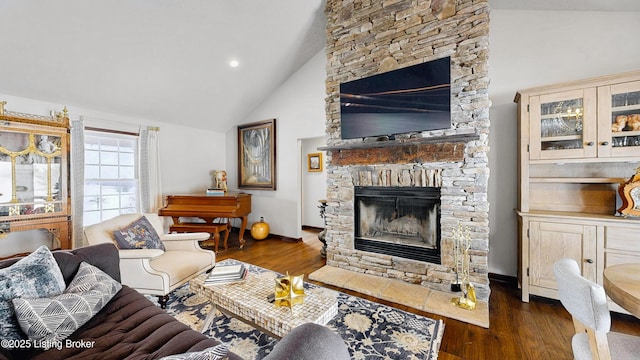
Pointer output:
x,y
110,175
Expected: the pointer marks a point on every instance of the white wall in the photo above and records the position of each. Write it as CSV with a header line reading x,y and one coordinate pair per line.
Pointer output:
x,y
314,184
187,155
188,158
299,109
532,48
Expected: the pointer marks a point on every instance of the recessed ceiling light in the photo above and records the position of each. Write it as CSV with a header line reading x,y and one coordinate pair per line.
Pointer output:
x,y
234,63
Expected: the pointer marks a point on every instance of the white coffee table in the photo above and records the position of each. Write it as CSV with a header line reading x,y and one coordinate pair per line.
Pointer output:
x,y
247,301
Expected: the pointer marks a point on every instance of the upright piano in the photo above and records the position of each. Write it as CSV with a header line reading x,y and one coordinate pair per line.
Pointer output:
x,y
208,208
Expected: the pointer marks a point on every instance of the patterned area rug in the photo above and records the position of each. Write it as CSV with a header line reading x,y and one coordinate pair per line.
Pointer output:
x,y
370,330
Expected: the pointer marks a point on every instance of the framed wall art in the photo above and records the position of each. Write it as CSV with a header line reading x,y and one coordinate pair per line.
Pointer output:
x,y
314,162
257,155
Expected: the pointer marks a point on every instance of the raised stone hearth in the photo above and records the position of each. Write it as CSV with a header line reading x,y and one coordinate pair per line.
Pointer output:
x,y
370,37
399,292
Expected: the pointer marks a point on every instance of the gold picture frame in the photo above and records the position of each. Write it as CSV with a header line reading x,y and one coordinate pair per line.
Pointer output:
x,y
314,162
257,155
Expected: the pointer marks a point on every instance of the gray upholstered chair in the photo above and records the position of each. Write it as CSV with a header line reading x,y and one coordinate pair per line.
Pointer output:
x,y
586,301
310,341
154,271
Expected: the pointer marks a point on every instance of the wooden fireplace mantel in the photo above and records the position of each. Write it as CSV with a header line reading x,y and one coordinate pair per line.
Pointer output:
x,y
423,150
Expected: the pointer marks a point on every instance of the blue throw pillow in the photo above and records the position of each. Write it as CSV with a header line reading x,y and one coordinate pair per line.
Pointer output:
x,y
37,275
52,319
139,235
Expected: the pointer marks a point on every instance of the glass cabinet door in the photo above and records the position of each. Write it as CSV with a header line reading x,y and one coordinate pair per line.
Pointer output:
x,y
619,114
563,125
31,173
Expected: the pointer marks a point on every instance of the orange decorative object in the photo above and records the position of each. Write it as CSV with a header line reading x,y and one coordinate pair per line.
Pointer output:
x,y
630,194
260,230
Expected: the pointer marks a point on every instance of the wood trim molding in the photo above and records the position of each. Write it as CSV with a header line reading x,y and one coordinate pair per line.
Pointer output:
x,y
273,236
405,154
458,138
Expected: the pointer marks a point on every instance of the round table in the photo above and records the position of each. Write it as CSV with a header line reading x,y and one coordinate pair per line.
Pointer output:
x,y
622,284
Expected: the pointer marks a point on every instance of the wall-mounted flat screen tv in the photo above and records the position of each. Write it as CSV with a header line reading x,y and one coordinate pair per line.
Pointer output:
x,y
412,99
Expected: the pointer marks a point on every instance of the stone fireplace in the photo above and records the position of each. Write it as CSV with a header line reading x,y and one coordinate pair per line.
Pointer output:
x,y
370,37
398,221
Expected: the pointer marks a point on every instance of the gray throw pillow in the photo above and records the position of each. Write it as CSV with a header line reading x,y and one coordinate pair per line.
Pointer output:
x,y
55,318
218,352
37,275
89,277
139,235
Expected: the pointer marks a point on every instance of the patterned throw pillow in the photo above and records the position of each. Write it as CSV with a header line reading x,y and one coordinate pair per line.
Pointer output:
x,y
218,352
37,275
90,278
55,318
139,235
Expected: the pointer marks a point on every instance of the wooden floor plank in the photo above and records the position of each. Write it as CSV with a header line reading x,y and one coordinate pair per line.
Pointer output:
x,y
538,330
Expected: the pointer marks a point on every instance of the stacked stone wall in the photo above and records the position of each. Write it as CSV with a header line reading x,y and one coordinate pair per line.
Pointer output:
x,y
368,37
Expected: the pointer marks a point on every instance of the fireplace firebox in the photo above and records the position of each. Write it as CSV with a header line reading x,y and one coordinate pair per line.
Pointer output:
x,y
398,221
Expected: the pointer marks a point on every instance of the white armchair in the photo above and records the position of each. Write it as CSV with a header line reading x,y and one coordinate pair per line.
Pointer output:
x,y
154,271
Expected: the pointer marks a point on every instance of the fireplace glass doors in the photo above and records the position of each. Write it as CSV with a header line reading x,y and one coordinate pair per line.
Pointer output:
x,y
398,221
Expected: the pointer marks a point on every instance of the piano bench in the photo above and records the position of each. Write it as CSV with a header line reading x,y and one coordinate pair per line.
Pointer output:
x,y
213,229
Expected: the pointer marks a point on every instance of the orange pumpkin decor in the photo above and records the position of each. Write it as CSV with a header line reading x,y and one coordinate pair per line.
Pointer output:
x,y
260,230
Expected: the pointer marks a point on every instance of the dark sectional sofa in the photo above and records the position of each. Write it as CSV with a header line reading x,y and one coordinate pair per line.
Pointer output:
x,y
132,327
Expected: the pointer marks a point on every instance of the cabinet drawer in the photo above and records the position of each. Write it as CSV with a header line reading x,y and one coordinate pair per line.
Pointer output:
x,y
615,258
622,238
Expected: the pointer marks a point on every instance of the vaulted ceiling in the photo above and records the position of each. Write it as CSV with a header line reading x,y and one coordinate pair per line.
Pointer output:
x,y
164,60
168,60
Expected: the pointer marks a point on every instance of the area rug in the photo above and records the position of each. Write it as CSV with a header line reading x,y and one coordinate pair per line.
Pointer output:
x,y
370,330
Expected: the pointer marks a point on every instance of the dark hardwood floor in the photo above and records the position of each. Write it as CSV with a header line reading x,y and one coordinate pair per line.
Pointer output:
x,y
538,330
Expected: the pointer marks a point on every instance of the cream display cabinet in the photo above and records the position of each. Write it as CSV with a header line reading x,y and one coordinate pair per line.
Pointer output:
x,y
34,174
577,142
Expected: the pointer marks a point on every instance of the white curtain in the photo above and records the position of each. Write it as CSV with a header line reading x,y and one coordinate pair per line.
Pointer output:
x,y
77,181
150,185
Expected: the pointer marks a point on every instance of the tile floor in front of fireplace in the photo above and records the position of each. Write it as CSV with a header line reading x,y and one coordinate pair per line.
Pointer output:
x,y
415,296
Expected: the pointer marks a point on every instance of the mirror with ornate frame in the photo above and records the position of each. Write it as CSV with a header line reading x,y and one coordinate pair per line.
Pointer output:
x,y
34,174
